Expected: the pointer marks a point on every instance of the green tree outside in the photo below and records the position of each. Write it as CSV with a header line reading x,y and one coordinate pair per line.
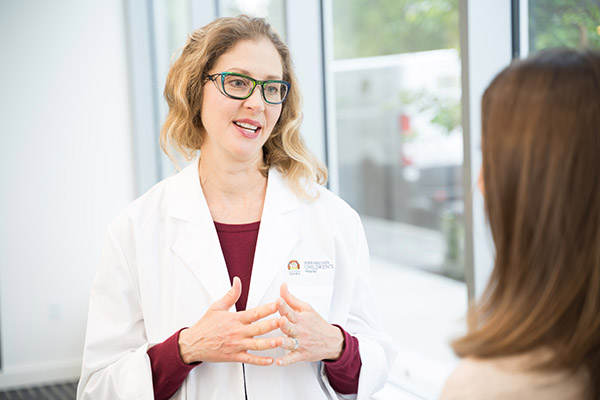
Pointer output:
x,y
564,23
367,28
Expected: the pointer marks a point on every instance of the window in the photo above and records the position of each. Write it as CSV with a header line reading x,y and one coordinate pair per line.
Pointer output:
x,y
172,25
397,93
543,24
274,10
558,23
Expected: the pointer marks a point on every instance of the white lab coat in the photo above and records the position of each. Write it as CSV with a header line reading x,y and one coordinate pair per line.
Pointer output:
x,y
162,267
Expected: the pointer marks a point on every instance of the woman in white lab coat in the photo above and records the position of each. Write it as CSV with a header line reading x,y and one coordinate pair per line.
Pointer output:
x,y
246,224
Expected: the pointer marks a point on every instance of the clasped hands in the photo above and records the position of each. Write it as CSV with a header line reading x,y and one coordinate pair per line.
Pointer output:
x,y
225,336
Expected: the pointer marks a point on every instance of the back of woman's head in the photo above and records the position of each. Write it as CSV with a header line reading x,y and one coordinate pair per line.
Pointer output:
x,y
541,178
183,128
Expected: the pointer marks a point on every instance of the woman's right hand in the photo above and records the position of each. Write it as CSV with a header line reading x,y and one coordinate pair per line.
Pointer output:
x,y
224,336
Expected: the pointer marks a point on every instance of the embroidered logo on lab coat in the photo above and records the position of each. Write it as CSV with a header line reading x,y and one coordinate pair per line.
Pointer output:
x,y
293,264
294,267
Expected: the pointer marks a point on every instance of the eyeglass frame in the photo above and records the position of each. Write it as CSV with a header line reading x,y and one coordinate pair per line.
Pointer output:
x,y
255,83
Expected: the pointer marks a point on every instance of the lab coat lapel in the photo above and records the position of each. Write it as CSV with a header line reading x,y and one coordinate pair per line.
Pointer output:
x,y
276,237
197,242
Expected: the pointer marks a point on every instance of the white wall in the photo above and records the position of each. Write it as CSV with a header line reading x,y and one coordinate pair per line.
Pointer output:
x,y
66,169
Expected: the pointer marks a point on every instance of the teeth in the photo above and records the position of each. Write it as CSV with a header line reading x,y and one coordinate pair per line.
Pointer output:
x,y
246,126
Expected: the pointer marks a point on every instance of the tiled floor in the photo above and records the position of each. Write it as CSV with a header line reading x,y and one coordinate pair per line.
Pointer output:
x,y
59,391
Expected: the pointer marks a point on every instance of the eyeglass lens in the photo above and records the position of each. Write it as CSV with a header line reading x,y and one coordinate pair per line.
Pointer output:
x,y
239,86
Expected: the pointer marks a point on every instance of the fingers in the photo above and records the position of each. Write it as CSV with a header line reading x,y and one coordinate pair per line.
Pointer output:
x,y
259,345
262,327
287,327
290,344
257,313
289,358
248,358
262,344
293,301
230,298
286,311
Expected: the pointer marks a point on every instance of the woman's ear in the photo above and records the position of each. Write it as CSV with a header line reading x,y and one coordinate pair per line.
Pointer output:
x,y
480,180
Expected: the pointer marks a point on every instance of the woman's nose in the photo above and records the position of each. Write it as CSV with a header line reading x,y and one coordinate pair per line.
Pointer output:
x,y
255,101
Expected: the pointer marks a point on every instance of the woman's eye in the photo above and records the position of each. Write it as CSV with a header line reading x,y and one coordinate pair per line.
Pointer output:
x,y
238,83
272,89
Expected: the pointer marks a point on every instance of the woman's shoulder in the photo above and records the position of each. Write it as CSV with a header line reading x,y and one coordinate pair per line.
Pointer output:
x,y
157,200
332,206
315,196
331,199
511,378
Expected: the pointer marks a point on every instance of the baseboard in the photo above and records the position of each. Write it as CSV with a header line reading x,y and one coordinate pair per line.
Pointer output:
x,y
39,374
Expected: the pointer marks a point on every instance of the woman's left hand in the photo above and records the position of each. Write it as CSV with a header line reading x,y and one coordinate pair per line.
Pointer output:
x,y
308,336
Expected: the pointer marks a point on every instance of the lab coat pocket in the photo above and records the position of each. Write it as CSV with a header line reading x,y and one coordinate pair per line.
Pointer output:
x,y
318,296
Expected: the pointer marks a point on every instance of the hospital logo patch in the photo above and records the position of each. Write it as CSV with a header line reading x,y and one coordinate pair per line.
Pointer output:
x,y
294,267
293,264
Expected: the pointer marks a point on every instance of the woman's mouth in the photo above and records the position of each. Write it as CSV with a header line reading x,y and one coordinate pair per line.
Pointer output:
x,y
248,129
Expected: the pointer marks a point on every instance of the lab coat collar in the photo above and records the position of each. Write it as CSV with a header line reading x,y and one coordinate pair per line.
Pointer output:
x,y
196,241
187,200
198,244
185,204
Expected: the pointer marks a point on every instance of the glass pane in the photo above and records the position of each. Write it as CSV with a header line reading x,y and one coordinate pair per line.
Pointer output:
x,y
365,28
172,25
273,10
564,23
178,23
400,150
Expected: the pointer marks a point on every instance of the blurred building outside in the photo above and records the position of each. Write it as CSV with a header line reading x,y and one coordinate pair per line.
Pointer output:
x,y
400,155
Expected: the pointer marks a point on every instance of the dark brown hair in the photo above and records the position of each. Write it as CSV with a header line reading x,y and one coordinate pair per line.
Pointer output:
x,y
541,178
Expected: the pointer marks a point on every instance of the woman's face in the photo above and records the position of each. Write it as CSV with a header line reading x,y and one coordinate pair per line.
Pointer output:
x,y
223,117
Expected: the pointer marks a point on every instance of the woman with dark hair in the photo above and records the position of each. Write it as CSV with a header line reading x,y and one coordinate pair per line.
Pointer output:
x,y
535,334
246,225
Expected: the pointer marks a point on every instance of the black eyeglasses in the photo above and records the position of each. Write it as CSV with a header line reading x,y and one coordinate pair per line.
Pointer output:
x,y
240,87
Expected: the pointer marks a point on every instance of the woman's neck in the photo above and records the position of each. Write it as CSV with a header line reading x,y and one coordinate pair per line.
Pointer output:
x,y
234,192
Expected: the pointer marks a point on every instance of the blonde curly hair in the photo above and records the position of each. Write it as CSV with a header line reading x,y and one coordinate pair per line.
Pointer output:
x,y
183,129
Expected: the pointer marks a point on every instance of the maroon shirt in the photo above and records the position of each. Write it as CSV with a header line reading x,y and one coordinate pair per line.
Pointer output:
x,y
238,243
